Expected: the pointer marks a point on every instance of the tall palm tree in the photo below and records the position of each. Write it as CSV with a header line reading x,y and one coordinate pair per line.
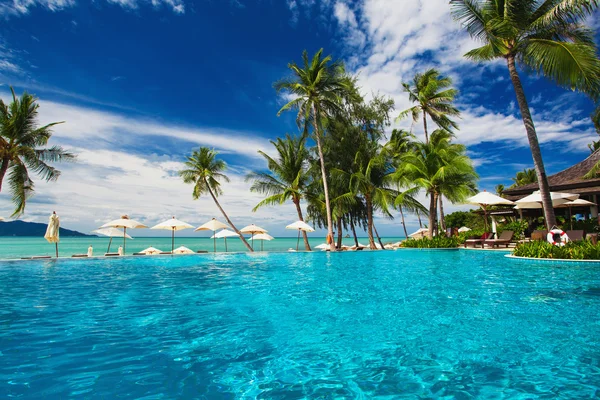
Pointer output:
x,y
21,148
288,178
524,177
546,37
433,96
319,87
370,179
434,166
204,170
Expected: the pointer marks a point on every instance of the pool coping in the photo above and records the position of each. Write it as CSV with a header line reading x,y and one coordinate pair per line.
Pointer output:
x,y
550,259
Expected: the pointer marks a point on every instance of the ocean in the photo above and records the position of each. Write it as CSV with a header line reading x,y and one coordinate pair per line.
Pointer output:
x,y
17,247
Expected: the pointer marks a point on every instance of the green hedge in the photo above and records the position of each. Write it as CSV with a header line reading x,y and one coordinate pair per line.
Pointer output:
x,y
437,242
582,250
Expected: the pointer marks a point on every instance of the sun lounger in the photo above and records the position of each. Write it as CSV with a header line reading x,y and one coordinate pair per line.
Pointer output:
x,y
79,255
165,252
575,236
504,239
111,255
139,254
475,242
202,251
40,257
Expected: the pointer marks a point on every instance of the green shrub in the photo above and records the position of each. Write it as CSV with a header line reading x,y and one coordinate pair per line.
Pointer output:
x,y
437,242
582,250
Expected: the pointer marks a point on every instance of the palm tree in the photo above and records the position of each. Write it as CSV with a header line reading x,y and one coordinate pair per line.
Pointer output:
x,y
288,178
500,190
204,171
21,142
406,201
319,87
370,179
435,166
546,37
433,96
524,177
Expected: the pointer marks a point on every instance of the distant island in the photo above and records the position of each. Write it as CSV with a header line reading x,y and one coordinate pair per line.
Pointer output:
x,y
22,228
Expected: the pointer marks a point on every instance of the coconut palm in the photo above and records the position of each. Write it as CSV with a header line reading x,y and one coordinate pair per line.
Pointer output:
x,y
524,177
21,149
434,166
433,96
406,200
500,190
288,177
204,170
318,87
545,37
370,178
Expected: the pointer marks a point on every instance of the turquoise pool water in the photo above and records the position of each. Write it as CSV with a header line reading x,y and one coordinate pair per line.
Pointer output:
x,y
404,324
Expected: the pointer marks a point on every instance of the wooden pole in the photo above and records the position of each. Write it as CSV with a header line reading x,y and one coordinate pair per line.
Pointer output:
x,y
298,241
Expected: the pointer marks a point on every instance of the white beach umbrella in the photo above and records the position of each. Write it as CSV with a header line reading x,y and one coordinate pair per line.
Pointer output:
x,y
300,226
183,250
53,231
1,219
263,237
253,229
111,232
126,223
212,225
323,246
485,199
151,250
534,200
464,229
224,234
421,233
576,203
172,225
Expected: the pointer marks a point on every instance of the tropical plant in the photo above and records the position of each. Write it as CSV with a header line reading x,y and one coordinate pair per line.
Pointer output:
x,y
288,178
545,37
204,170
434,166
21,149
500,190
525,177
433,96
318,86
436,242
581,250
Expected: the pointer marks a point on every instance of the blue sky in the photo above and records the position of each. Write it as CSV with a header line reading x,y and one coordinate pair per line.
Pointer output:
x,y
140,83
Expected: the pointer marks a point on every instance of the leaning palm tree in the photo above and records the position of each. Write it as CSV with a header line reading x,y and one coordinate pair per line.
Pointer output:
x,y
406,200
546,37
433,96
21,148
288,177
318,88
204,170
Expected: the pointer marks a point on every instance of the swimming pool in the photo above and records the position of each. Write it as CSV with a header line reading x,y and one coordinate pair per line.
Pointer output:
x,y
461,324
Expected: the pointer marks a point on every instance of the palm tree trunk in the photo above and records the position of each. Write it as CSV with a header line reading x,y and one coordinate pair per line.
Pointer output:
x,y
534,145
339,235
370,223
403,223
299,210
432,214
442,219
228,220
354,232
3,169
425,127
419,218
323,174
378,238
